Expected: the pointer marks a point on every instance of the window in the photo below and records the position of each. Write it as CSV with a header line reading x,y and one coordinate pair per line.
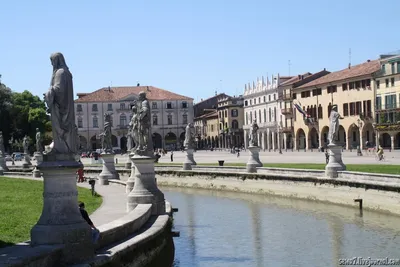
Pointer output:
x,y
269,98
95,122
390,101
351,85
378,83
250,102
154,105
79,108
225,113
344,87
94,108
383,69
259,100
274,113
392,81
251,117
387,82
378,102
80,123
184,119
398,67
265,99
212,128
259,116
331,89
305,94
184,104
317,91
294,96
122,120
358,107
393,69
155,120
234,113
320,114
169,105
235,124
245,103
345,109
352,108
109,107
274,96
122,106
357,84
111,121
269,115
169,118
265,115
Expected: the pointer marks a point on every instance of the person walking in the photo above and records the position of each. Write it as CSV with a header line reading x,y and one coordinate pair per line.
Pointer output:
x,y
172,156
85,216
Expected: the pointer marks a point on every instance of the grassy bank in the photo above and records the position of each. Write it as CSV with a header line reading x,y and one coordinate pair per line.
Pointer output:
x,y
21,203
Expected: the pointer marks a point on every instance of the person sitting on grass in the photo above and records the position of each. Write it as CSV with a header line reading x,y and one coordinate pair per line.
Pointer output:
x,y
85,215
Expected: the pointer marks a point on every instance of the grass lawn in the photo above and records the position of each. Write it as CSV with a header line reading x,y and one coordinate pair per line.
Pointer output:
x,y
369,168
21,203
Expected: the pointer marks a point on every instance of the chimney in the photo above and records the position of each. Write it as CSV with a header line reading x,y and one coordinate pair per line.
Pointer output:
x,y
138,84
299,77
324,69
349,65
368,60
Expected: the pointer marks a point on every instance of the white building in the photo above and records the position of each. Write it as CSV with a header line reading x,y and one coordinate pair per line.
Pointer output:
x,y
261,104
170,115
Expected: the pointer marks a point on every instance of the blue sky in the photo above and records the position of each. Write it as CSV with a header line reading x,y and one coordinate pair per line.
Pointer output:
x,y
189,47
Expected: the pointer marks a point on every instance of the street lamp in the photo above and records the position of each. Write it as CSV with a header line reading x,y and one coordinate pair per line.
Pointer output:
x,y
280,138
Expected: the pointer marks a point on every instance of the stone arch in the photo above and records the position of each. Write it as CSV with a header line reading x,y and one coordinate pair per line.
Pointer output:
x,y
83,145
124,141
235,124
212,141
386,141
289,141
368,135
182,137
114,141
170,141
342,136
353,136
95,142
157,140
324,136
397,141
300,139
216,141
313,139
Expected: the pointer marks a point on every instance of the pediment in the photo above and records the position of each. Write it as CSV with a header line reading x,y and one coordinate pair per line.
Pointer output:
x,y
131,97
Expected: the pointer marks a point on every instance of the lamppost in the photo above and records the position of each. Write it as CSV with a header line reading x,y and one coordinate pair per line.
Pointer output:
x,y
360,124
280,138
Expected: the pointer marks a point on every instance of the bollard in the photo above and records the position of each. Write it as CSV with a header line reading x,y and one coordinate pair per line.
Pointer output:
x,y
116,160
360,201
92,182
175,210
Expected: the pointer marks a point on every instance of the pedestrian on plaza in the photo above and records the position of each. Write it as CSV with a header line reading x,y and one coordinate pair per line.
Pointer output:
x,y
326,156
172,156
81,177
85,216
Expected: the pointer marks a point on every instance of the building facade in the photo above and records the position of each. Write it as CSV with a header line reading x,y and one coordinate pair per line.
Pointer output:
x,y
352,90
170,115
207,104
261,105
206,128
387,117
231,120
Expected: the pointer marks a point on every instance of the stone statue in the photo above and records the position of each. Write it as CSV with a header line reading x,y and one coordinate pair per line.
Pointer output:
x,y
144,123
133,132
106,135
39,140
2,149
25,144
78,140
253,134
334,124
60,105
189,136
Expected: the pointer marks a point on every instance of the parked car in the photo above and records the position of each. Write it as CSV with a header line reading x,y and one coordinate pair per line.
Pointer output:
x,y
84,155
8,158
18,156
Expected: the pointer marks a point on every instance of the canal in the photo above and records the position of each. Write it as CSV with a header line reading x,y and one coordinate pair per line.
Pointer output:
x,y
236,229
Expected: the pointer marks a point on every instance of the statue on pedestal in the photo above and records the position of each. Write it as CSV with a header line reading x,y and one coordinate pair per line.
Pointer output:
x,y
334,117
25,144
60,105
189,136
106,134
133,137
253,134
39,140
2,149
141,127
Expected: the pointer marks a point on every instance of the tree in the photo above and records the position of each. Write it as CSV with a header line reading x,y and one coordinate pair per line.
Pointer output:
x,y
5,105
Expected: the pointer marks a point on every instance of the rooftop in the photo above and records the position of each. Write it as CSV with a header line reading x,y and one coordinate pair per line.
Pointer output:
x,y
114,94
362,69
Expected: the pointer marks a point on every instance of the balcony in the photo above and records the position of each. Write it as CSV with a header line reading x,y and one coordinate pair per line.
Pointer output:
x,y
285,97
287,111
388,107
288,129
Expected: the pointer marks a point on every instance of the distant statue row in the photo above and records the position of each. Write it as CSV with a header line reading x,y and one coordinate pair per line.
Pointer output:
x,y
25,143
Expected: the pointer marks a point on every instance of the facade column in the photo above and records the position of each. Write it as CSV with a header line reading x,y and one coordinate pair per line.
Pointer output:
x,y
268,139
285,141
361,139
273,141
392,141
263,140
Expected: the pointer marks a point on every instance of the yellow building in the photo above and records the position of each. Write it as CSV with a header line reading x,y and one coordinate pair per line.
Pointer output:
x,y
231,120
352,90
387,102
206,127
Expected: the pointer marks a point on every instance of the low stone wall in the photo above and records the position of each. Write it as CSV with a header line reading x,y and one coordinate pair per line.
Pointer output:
x,y
291,172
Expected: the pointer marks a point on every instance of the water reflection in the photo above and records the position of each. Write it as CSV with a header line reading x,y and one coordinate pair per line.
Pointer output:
x,y
233,229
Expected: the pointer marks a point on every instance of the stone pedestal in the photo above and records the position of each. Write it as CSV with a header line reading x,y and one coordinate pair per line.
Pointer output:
x,y
131,180
145,190
39,157
108,171
36,173
27,162
335,163
128,163
189,160
254,159
3,165
61,221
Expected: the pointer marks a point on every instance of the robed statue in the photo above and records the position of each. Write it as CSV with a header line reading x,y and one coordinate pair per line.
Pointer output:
x,y
25,144
60,104
253,134
334,117
133,133
106,143
189,136
2,149
39,141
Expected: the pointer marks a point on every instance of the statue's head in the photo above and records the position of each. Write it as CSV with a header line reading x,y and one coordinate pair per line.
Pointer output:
x,y
142,95
37,129
335,107
58,61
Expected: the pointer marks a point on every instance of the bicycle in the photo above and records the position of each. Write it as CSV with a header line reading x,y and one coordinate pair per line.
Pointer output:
x,y
377,157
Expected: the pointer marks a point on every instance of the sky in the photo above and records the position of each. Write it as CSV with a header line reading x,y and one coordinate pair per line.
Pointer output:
x,y
193,48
